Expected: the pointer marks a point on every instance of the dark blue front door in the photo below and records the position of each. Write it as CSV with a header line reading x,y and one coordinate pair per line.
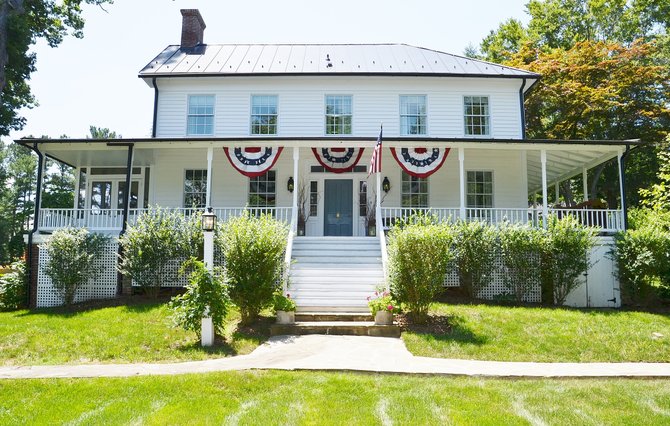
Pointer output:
x,y
338,207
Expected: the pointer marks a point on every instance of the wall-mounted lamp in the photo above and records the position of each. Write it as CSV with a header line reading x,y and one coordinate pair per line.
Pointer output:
x,y
386,184
208,220
290,185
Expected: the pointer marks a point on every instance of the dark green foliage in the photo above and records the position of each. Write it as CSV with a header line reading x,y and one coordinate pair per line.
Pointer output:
x,y
475,248
253,249
520,250
283,303
72,256
13,287
58,186
206,295
156,244
419,253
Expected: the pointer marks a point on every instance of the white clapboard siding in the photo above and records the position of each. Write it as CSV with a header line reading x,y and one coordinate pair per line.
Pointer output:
x,y
375,100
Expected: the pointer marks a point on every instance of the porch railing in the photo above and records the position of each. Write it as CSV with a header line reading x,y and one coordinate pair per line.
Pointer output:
x,y
112,219
606,220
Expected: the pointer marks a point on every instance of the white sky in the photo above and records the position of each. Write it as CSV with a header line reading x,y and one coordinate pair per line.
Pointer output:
x,y
93,81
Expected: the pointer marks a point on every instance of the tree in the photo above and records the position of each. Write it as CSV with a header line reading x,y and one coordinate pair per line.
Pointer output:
x,y
22,23
102,133
657,197
58,186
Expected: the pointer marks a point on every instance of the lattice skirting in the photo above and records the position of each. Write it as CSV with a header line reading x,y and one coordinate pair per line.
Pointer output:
x,y
104,286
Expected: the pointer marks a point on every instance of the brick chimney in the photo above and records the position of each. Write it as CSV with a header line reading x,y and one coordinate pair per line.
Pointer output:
x,y
192,28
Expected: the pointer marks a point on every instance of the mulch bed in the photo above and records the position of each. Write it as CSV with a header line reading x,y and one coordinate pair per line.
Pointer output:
x,y
436,324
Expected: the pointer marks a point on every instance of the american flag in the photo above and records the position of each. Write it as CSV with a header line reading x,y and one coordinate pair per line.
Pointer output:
x,y
376,160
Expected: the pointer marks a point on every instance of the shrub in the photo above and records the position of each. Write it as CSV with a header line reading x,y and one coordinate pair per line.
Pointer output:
x,y
206,295
475,245
13,287
159,241
419,252
566,248
72,255
643,257
253,249
283,303
520,250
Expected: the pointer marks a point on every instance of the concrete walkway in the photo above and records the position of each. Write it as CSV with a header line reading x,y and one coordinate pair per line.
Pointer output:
x,y
345,353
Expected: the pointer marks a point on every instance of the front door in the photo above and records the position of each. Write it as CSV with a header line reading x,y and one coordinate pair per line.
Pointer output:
x,y
338,207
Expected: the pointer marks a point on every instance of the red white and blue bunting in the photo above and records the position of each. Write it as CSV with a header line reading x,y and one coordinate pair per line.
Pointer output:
x,y
338,160
420,162
253,162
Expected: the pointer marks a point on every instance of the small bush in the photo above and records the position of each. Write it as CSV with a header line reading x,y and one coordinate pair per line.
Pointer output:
x,y
253,249
13,287
566,248
475,247
520,249
283,303
206,295
419,252
159,241
72,255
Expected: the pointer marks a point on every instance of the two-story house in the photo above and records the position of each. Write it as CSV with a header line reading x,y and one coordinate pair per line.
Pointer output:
x,y
290,130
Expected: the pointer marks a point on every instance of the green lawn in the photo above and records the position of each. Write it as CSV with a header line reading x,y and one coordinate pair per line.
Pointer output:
x,y
545,334
138,332
271,397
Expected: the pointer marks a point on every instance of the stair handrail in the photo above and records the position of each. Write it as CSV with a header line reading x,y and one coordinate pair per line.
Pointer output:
x,y
382,241
289,248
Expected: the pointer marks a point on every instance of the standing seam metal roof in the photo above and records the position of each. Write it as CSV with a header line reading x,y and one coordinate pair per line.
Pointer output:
x,y
379,59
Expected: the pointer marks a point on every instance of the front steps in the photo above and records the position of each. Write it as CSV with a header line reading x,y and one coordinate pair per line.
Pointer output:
x,y
335,274
334,323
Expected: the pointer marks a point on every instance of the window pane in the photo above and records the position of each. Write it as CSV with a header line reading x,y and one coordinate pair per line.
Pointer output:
x,y
195,188
413,115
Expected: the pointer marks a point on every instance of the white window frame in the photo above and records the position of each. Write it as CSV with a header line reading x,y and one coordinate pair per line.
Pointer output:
x,y
251,114
403,193
189,115
183,195
249,193
489,124
401,115
326,115
468,193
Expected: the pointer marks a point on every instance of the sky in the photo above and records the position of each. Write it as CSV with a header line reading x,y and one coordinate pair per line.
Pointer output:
x,y
93,81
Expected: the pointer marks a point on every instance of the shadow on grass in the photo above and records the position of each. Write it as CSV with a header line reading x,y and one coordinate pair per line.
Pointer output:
x,y
444,328
137,304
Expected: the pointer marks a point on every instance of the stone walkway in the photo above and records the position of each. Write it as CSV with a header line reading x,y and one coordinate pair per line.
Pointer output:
x,y
345,353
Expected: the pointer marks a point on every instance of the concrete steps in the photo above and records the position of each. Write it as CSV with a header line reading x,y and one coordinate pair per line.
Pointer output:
x,y
348,328
335,274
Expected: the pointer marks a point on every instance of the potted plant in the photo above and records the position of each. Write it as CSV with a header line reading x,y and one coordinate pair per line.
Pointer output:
x,y
285,308
382,307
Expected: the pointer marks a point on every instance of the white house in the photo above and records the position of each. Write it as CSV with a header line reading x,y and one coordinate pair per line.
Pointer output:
x,y
291,128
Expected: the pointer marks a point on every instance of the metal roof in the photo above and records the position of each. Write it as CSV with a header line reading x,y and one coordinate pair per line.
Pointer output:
x,y
320,59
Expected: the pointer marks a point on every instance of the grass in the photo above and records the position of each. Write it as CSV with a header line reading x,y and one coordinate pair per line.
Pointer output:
x,y
539,334
272,397
136,332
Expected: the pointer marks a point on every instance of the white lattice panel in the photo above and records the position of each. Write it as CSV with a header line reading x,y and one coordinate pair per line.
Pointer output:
x,y
104,286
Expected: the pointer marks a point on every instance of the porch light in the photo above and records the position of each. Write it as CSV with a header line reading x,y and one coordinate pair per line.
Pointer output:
x,y
208,220
386,184
290,185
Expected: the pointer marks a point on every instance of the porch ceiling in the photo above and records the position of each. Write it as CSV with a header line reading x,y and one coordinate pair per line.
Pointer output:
x,y
563,165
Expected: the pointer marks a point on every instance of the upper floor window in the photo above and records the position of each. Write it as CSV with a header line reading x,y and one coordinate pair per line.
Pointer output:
x,y
200,120
477,118
479,189
195,188
414,192
413,115
263,190
338,115
264,115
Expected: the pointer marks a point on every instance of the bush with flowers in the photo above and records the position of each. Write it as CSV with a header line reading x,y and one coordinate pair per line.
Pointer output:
x,y
283,303
382,301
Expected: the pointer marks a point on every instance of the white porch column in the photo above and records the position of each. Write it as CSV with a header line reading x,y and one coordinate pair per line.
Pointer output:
x,y
296,188
585,184
557,191
545,207
208,195
461,180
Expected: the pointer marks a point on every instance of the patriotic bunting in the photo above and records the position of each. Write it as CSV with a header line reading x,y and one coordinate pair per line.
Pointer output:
x,y
420,162
253,162
338,160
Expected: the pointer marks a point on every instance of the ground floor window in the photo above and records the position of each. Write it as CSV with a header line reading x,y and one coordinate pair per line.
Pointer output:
x,y
195,189
362,198
479,189
414,191
313,197
263,190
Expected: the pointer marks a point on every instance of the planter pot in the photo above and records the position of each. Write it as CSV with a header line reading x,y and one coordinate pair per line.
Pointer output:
x,y
285,317
384,318
372,231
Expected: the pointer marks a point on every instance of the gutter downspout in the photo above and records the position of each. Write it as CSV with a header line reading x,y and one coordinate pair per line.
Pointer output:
x,y
624,204
155,120
523,109
36,216
126,208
